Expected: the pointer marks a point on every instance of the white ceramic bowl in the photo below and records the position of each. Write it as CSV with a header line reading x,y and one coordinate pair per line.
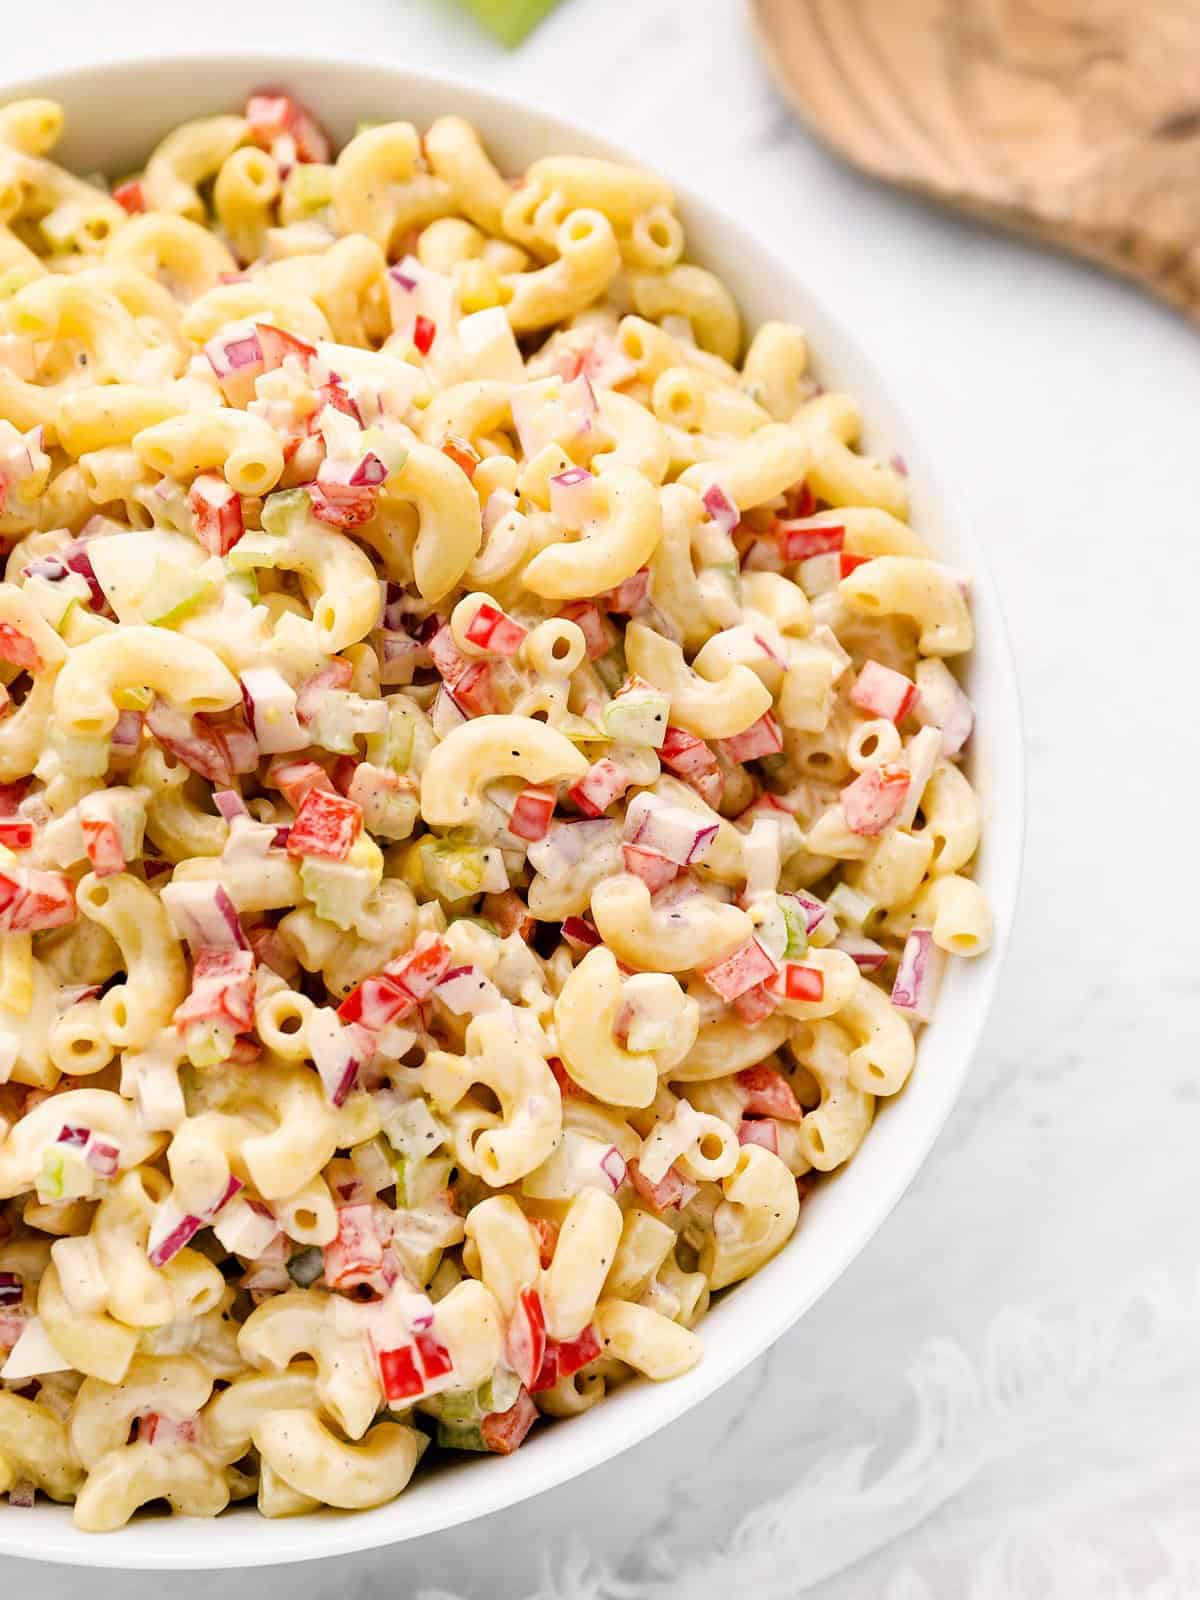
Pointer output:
x,y
115,114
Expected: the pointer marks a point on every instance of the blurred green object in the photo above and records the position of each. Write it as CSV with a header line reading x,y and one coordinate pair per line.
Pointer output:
x,y
510,20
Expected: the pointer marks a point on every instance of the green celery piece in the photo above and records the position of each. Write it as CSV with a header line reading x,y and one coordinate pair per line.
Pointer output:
x,y
510,20
797,930
452,1436
173,592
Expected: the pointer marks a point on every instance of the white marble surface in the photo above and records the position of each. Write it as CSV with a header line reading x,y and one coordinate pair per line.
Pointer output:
x,y
1051,1451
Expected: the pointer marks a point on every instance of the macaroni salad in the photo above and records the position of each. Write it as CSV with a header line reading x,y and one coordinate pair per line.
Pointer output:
x,y
481,814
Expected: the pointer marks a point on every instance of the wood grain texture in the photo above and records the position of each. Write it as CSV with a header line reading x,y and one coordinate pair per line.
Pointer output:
x,y
1077,121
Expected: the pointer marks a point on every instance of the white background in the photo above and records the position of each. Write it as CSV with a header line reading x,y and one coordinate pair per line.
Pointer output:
x,y
1037,1283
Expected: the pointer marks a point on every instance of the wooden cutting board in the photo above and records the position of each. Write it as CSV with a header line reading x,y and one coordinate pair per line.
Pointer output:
x,y
1077,121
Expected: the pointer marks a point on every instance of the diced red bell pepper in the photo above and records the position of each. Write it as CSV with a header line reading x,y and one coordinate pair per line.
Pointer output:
x,y
235,738
102,841
630,594
341,773
335,393
434,1357
761,738
798,543
326,825
655,870
16,832
531,814
546,1230
848,563
748,965
577,931
31,900
274,117
564,1357
356,1253
421,969
222,990
424,333
294,779
277,344
504,1431
690,758
342,505
153,1428
525,1337
375,1002
874,799
492,629
398,1370
474,691
883,693
19,648
672,1189
795,981
590,620
216,513
755,1005
768,1094
196,744
762,1131
567,1086
11,795
461,452
131,196
601,784
447,657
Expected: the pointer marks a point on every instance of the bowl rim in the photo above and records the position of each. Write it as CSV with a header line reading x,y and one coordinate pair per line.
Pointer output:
x,y
45,1533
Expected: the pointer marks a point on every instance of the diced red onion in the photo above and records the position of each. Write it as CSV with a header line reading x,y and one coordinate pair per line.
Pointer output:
x,y
915,989
202,913
720,507
568,843
126,736
865,953
230,804
573,496
672,831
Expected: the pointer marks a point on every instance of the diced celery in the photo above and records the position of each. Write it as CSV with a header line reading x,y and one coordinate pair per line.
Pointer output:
x,y
580,730
306,1266
243,583
173,592
510,20
208,1043
339,890
797,931
459,1407
386,444
64,1175
460,1436
454,871
279,511
310,188
400,1165
134,697
500,1391
849,906
341,715
394,747
638,717
610,669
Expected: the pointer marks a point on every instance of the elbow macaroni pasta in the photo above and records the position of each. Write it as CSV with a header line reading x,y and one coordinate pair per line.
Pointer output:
x,y
484,804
